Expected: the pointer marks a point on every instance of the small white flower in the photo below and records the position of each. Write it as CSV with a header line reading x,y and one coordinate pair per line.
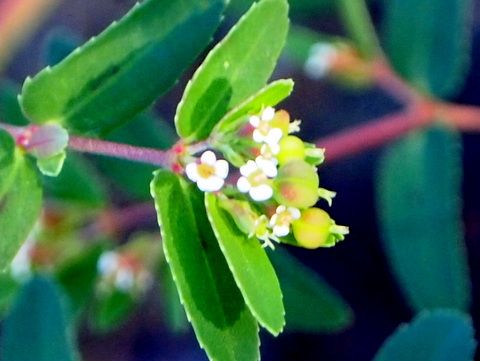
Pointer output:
x,y
264,132
281,220
209,174
262,231
255,178
108,263
320,60
269,152
124,279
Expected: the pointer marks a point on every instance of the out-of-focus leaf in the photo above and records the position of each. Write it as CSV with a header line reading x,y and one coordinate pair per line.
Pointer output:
x,y
251,268
58,44
142,56
78,182
311,305
7,161
234,70
77,277
19,209
10,111
224,326
37,327
428,42
111,311
419,192
133,177
8,290
432,336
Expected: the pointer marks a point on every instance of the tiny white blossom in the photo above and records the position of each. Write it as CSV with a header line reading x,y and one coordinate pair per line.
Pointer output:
x,y
262,231
264,132
320,60
108,263
124,279
209,174
269,152
255,178
281,220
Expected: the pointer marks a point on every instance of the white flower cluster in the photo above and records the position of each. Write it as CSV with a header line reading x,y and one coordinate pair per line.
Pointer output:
x,y
122,271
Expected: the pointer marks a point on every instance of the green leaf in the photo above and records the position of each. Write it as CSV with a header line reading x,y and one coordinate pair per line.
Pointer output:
x,y
237,67
419,192
118,74
7,161
37,328
432,336
78,276
19,210
8,290
174,313
111,311
428,42
251,268
222,322
78,182
133,177
270,95
10,111
311,305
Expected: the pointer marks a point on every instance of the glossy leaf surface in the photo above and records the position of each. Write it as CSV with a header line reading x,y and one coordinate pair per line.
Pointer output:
x,y
431,336
251,268
418,191
234,70
224,326
141,56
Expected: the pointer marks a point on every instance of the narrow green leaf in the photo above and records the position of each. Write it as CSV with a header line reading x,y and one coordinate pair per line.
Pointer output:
x,y
118,74
311,305
270,95
222,322
132,177
419,192
432,336
78,182
236,68
7,161
428,42
19,210
36,329
251,268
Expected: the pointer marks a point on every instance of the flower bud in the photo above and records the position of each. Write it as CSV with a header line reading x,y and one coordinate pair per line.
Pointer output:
x,y
281,120
312,230
291,147
47,141
296,184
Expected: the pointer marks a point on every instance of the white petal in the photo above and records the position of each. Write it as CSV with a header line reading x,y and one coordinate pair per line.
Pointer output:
x,y
210,184
221,168
258,136
124,280
243,185
248,168
255,120
274,136
107,263
274,219
261,192
268,114
267,166
192,171
281,231
208,157
280,209
294,212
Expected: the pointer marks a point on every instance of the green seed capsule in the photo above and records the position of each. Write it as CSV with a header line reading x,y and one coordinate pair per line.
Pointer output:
x,y
296,184
291,147
312,230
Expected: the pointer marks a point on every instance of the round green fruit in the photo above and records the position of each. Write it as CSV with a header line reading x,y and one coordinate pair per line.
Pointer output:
x,y
312,230
291,147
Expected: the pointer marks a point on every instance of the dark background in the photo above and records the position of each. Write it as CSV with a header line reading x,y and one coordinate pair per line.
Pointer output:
x,y
356,267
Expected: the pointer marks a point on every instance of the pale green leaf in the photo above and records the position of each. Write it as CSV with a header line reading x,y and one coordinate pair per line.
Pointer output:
x,y
51,166
440,335
237,67
251,268
223,324
19,210
419,209
37,329
118,74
